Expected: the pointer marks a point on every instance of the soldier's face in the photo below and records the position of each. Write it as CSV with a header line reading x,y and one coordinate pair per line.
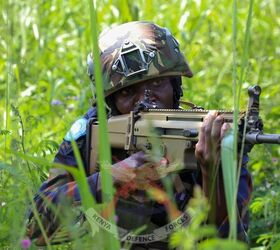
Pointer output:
x,y
161,94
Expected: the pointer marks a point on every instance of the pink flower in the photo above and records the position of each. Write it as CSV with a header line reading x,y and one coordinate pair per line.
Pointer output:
x,y
274,160
25,243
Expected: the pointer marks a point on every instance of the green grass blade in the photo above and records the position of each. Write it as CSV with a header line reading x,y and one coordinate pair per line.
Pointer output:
x,y
229,178
80,177
229,143
244,63
103,147
36,214
245,53
9,77
231,169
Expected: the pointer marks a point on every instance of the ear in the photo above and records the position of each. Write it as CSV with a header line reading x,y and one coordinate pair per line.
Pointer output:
x,y
110,105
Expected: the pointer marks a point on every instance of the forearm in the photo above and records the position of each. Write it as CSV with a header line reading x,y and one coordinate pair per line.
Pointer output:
x,y
55,199
243,197
212,185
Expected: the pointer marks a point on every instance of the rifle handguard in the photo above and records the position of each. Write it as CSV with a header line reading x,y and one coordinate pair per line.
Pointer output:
x,y
175,131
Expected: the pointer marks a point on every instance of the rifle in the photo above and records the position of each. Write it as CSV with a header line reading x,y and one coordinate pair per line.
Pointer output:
x,y
176,130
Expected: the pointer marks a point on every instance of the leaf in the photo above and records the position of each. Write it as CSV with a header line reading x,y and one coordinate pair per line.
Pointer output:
x,y
257,205
221,244
14,171
276,246
229,179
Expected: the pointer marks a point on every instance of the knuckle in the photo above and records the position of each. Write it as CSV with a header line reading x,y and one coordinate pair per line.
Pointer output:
x,y
198,147
198,152
219,119
207,157
225,129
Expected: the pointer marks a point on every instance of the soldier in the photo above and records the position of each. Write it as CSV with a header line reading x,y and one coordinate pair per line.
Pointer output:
x,y
137,58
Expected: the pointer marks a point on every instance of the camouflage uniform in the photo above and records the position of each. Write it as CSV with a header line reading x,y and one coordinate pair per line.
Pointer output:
x,y
155,53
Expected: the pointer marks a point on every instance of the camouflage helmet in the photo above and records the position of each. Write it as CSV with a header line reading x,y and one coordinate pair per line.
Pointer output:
x,y
135,52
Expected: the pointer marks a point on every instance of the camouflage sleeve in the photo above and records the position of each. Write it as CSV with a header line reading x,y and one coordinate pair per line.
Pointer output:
x,y
244,194
56,197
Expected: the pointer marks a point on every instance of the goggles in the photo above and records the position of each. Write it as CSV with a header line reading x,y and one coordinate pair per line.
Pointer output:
x,y
132,60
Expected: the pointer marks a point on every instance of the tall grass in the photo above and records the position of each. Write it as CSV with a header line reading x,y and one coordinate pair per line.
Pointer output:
x,y
104,146
230,165
104,150
8,82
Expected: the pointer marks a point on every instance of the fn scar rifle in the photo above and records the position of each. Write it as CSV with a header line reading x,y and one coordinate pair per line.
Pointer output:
x,y
176,130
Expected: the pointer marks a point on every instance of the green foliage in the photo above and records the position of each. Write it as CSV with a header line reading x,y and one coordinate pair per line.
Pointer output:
x,y
44,88
230,181
189,237
198,235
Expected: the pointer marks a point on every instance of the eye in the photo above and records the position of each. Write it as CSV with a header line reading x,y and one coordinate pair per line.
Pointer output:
x,y
156,83
125,92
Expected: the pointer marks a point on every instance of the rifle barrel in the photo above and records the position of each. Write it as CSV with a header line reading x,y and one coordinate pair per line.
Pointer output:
x,y
257,138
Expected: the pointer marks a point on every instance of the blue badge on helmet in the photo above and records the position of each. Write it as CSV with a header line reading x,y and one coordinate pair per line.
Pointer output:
x,y
77,130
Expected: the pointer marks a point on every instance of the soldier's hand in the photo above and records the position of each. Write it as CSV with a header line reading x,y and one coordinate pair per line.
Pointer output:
x,y
208,148
137,169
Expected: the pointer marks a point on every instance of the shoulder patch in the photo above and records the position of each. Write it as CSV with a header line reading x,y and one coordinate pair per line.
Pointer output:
x,y
77,130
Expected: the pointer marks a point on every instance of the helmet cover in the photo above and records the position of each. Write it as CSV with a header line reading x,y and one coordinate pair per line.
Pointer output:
x,y
137,51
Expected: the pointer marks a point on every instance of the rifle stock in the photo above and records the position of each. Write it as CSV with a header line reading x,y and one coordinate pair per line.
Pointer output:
x,y
176,131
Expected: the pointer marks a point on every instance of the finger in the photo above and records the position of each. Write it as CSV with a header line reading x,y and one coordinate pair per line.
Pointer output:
x,y
123,174
199,147
216,131
201,139
208,134
133,161
225,128
140,158
149,171
144,169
